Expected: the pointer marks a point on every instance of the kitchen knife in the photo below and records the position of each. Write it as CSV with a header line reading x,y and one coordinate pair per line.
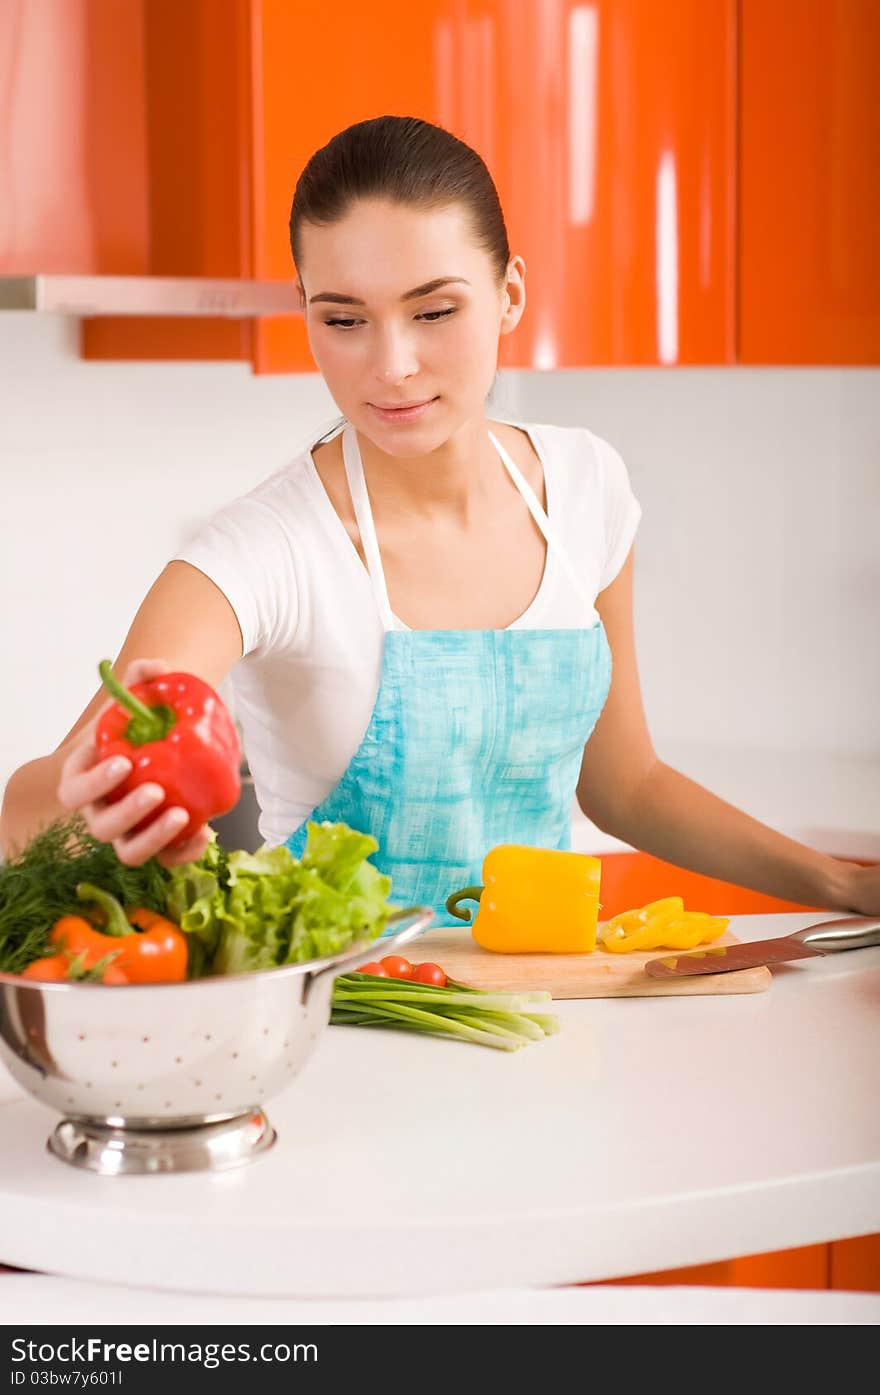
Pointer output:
x,y
851,932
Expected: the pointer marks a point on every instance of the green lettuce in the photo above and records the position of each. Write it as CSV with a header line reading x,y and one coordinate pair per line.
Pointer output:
x,y
246,911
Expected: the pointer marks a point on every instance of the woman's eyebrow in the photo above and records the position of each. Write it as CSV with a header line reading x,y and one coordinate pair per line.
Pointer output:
x,y
336,299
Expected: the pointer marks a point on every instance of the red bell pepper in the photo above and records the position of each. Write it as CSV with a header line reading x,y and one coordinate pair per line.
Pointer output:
x,y
178,733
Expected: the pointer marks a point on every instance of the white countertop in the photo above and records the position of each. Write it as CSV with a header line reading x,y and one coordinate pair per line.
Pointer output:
x,y
40,1299
650,1133
830,802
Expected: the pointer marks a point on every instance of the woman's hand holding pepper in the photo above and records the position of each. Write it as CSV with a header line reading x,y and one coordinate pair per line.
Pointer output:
x,y
86,781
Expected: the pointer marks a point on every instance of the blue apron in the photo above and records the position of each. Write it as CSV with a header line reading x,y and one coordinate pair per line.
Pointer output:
x,y
476,737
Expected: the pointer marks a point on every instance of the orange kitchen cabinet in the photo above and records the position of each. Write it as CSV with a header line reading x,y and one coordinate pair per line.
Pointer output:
x,y
634,879
610,128
126,127
199,176
688,183
809,190
317,69
803,1268
239,95
73,196
855,1264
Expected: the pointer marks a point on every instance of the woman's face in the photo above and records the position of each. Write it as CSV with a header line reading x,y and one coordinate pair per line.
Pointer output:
x,y
385,336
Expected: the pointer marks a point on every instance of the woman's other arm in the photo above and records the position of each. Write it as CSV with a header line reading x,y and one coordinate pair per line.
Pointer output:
x,y
628,792
187,620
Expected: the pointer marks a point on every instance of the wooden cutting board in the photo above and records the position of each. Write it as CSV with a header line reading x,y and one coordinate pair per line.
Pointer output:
x,y
596,975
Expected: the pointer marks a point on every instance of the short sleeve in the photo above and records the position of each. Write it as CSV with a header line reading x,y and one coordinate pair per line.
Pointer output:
x,y
245,551
621,511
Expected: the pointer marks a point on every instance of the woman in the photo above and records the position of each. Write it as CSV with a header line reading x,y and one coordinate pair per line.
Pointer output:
x,y
419,613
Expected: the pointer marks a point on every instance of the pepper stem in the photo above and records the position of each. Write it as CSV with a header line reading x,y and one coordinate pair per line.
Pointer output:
x,y
147,723
472,893
117,921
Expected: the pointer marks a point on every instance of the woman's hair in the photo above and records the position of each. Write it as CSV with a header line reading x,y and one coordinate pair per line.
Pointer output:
x,y
406,161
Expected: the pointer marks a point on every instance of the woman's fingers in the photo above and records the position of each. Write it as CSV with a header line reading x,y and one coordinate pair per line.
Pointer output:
x,y
112,822
190,851
141,670
136,848
84,780
86,784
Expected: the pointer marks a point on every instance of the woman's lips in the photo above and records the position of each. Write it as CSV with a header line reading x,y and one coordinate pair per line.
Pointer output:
x,y
399,415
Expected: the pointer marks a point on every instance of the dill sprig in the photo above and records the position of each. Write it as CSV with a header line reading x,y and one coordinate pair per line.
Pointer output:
x,y
38,885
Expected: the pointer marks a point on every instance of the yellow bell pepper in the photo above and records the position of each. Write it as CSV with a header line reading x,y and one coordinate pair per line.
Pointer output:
x,y
663,924
534,901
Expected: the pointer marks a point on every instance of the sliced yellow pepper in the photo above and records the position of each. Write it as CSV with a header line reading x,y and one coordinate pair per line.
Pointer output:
x,y
534,901
640,929
663,924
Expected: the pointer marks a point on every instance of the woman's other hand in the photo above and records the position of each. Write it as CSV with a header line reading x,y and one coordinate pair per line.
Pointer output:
x,y
863,890
85,782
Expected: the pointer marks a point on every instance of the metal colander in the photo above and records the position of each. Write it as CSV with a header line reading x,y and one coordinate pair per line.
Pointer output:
x,y
172,1077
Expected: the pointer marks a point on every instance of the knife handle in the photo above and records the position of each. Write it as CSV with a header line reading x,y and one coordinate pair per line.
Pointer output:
x,y
851,932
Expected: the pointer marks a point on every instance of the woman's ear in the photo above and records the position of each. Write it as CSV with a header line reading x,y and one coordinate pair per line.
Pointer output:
x,y
513,295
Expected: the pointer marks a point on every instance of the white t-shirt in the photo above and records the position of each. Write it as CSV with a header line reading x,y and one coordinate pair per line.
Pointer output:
x,y
304,691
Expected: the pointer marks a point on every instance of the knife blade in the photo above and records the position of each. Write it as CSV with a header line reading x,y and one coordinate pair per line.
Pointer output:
x,y
849,932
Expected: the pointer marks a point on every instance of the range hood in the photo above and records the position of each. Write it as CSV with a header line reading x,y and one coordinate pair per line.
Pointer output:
x,y
148,295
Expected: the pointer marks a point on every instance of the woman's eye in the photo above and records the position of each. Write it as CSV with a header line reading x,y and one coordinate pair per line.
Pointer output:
x,y
429,316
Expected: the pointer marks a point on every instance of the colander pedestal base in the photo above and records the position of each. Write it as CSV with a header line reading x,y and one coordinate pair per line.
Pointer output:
x,y
111,1149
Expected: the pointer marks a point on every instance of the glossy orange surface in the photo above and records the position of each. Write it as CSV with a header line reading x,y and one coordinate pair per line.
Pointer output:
x,y
317,69
198,106
633,879
73,194
851,1265
809,191
805,1268
855,1264
688,184
610,129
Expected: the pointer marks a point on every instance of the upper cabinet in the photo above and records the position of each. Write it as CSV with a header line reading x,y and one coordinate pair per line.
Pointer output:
x,y
610,128
317,68
688,183
809,182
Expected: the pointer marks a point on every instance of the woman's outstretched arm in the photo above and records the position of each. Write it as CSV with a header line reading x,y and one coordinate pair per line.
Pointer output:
x,y
628,792
187,621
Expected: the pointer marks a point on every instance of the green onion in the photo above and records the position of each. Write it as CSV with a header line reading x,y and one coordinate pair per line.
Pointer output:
x,y
469,1014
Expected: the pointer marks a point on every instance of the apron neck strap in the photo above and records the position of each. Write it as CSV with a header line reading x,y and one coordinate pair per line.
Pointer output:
x,y
533,504
354,470
357,484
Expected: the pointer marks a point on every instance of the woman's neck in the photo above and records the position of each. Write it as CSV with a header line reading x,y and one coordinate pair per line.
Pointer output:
x,y
458,479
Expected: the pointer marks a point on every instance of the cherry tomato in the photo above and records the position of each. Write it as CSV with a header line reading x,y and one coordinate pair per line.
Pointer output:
x,y
395,967
429,973
373,968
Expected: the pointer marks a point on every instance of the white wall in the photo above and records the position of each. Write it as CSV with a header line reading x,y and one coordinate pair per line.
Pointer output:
x,y
758,580
758,560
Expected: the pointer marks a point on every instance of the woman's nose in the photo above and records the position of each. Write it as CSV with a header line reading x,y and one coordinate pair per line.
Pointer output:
x,y
395,358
